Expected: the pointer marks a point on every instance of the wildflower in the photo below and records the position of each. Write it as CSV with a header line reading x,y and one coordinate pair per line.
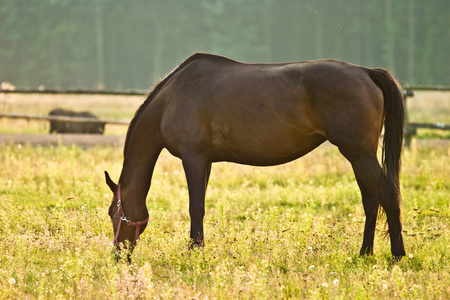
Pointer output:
x,y
325,285
12,281
336,282
349,259
311,267
374,267
410,255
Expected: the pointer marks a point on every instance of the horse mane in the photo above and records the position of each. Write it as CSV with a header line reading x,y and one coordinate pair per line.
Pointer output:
x,y
153,92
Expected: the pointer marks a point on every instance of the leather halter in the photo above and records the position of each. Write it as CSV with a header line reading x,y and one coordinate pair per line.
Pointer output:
x,y
123,218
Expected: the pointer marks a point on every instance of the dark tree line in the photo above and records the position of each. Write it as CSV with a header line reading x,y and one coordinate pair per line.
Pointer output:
x,y
129,44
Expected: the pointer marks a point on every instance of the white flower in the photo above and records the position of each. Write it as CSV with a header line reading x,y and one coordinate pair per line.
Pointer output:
x,y
311,267
336,282
349,259
410,255
325,284
12,281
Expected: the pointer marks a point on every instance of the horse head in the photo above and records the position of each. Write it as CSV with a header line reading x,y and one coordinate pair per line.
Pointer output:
x,y
126,232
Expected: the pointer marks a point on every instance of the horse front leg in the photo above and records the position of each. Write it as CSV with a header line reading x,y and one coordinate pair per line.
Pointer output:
x,y
197,171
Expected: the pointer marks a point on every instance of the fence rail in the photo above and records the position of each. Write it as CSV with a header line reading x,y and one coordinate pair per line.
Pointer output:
x,y
75,91
62,118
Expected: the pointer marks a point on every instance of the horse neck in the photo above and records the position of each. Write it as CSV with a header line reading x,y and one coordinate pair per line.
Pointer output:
x,y
142,152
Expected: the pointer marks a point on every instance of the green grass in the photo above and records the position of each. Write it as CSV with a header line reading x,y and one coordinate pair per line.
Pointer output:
x,y
291,231
426,134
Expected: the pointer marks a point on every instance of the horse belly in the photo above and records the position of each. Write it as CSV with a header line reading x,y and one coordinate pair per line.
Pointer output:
x,y
262,145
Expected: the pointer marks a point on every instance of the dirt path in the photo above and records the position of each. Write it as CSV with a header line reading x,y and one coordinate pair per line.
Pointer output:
x,y
82,140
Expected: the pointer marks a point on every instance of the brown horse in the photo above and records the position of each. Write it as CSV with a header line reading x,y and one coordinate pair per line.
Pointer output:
x,y
213,109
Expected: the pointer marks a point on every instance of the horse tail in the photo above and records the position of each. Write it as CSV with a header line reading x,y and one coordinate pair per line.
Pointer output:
x,y
394,120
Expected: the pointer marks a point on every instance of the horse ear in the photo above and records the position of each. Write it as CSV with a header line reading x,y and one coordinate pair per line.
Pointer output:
x,y
110,183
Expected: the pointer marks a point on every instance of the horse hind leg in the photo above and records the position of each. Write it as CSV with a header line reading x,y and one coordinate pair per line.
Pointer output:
x,y
389,200
368,175
388,197
370,178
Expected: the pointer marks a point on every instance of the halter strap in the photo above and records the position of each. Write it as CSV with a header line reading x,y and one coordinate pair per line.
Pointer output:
x,y
123,218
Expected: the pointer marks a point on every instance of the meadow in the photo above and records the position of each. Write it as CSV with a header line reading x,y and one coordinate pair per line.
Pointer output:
x,y
291,231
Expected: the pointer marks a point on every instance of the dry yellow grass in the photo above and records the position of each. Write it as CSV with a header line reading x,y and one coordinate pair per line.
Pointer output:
x,y
429,107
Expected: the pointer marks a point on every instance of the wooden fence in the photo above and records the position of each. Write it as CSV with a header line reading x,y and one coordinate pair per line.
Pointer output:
x,y
411,127
62,118
68,118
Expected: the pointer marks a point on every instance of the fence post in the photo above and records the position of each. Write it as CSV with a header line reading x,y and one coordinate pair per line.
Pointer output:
x,y
410,131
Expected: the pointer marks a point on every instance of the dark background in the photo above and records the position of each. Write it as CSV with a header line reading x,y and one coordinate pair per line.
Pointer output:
x,y
129,44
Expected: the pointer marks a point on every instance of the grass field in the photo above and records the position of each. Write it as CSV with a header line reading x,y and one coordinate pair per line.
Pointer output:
x,y
291,231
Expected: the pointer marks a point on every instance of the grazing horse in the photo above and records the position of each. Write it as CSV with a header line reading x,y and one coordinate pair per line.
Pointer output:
x,y
212,109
